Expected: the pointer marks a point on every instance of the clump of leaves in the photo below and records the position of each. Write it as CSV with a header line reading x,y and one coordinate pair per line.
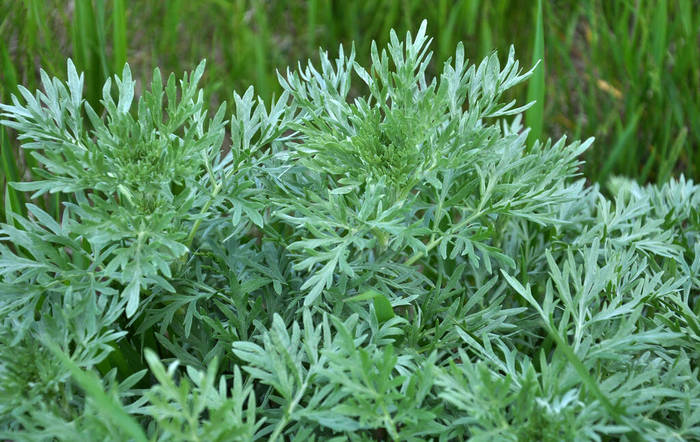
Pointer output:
x,y
379,260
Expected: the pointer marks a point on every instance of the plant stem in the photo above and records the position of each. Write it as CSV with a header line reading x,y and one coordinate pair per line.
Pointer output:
x,y
288,412
206,207
215,192
435,241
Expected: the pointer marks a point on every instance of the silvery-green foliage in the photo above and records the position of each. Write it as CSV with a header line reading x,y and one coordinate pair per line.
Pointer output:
x,y
200,406
375,255
416,165
134,179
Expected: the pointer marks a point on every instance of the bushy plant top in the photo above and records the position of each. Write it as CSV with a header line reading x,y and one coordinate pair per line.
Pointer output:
x,y
376,255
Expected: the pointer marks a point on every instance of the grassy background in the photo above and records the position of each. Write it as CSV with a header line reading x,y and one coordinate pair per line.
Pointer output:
x,y
626,72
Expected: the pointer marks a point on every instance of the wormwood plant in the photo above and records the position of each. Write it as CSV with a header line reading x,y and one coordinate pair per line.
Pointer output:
x,y
375,256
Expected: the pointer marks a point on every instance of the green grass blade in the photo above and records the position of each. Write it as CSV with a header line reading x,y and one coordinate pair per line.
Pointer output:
x,y
173,15
486,33
660,29
534,117
110,408
262,52
8,85
669,161
621,146
311,23
100,49
118,36
88,35
10,172
8,156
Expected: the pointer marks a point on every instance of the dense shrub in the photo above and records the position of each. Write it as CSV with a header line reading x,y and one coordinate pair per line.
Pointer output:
x,y
397,265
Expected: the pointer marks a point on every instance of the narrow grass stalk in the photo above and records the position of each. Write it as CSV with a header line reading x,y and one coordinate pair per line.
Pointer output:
x,y
535,90
11,173
119,44
622,144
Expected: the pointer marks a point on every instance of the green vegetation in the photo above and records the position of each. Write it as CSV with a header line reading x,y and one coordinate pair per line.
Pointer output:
x,y
377,254
624,72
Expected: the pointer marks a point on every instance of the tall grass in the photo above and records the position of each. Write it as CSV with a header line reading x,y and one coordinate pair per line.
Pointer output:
x,y
119,40
625,72
535,91
629,72
90,45
8,159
